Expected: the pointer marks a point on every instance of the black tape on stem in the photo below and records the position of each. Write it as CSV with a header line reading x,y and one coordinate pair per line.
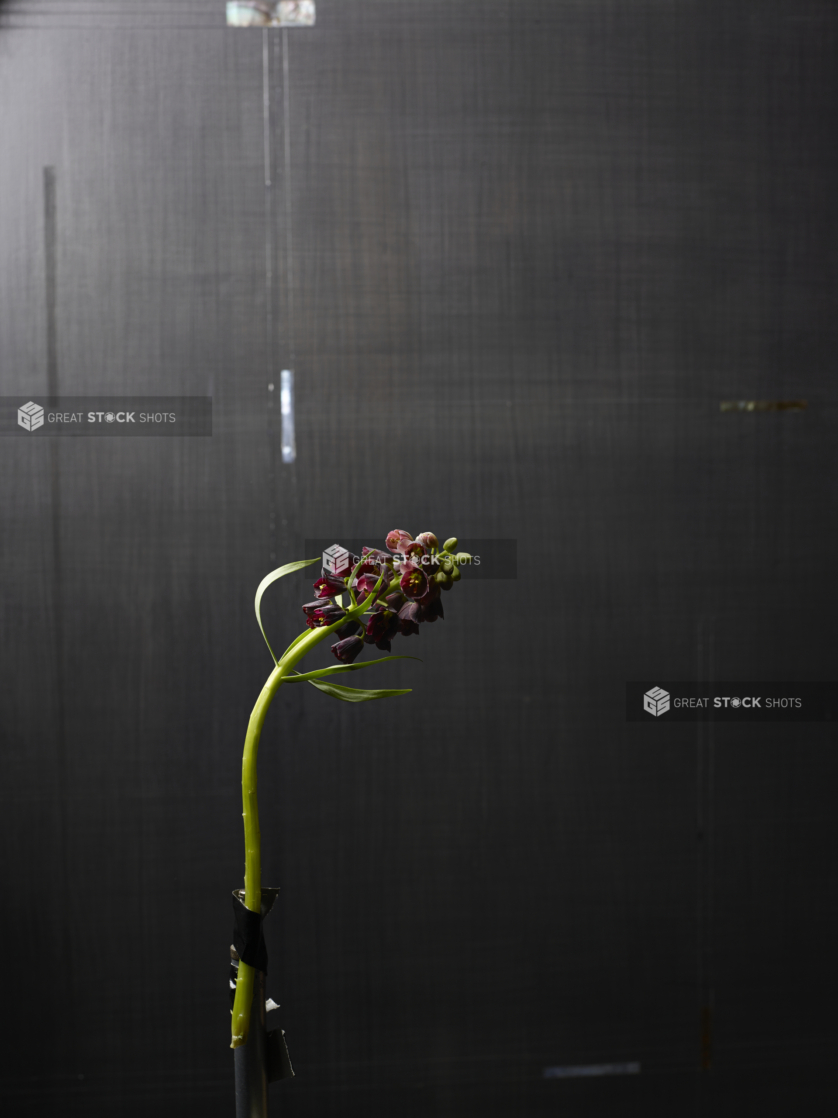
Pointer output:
x,y
248,937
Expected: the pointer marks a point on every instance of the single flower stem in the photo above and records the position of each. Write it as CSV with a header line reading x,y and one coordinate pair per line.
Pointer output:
x,y
250,813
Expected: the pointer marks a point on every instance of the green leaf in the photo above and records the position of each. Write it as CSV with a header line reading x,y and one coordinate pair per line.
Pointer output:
x,y
320,672
354,694
266,582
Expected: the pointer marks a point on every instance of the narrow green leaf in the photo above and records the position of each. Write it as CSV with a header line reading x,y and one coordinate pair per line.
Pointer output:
x,y
353,694
266,582
320,672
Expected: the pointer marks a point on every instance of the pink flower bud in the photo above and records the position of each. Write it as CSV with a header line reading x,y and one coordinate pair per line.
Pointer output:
x,y
396,538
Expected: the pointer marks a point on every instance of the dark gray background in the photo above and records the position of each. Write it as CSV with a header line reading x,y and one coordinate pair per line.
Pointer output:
x,y
532,245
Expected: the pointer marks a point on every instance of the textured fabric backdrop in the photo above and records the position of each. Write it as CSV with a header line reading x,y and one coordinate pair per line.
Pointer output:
x,y
518,254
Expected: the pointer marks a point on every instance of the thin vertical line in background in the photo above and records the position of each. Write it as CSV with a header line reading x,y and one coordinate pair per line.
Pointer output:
x,y
289,241
62,897
705,884
269,246
270,359
50,274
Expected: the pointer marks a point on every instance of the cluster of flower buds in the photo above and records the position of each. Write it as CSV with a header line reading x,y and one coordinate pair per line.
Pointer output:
x,y
401,589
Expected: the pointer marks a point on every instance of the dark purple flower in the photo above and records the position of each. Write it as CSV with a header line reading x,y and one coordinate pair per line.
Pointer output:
x,y
367,583
374,555
368,567
395,601
431,593
410,611
432,610
414,581
409,618
412,549
329,585
396,538
371,571
326,614
350,629
376,627
382,625
347,649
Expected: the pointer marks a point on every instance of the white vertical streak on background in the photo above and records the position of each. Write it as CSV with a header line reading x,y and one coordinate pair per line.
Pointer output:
x,y
286,401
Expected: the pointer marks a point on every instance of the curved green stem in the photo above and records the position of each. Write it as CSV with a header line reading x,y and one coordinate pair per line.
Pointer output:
x,y
250,813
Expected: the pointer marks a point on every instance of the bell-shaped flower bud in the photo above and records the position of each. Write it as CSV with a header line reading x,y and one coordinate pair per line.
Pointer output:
x,y
382,625
325,614
395,601
407,627
449,545
409,617
350,629
347,649
428,539
410,611
431,593
432,610
396,538
413,582
377,626
328,585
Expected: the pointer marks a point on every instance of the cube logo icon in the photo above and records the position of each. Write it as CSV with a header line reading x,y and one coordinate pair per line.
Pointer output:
x,y
656,701
30,416
337,560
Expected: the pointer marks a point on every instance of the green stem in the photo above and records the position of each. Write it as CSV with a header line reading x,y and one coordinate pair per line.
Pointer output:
x,y
250,808
250,813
